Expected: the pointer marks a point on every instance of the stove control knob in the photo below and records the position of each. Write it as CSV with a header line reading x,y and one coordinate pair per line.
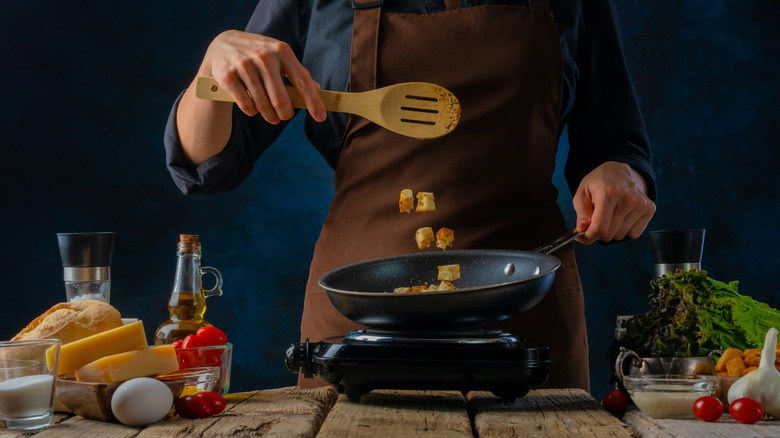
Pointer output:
x,y
298,359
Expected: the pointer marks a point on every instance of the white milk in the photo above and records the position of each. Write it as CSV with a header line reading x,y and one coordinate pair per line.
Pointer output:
x,y
26,396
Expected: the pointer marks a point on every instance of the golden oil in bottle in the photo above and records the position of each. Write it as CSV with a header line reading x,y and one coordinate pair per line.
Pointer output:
x,y
187,305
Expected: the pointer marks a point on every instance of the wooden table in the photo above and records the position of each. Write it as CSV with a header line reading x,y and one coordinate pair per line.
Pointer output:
x,y
294,412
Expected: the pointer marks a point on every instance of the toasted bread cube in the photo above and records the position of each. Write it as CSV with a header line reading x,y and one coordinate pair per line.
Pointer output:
x,y
424,237
444,238
406,203
425,202
419,288
402,290
446,285
449,272
729,354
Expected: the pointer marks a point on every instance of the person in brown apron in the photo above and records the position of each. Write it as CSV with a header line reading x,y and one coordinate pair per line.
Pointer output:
x,y
491,176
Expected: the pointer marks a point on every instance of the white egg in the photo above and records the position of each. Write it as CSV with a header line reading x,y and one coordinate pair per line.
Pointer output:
x,y
141,401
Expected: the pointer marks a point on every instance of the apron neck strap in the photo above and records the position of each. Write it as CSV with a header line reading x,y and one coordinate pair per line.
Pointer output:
x,y
365,38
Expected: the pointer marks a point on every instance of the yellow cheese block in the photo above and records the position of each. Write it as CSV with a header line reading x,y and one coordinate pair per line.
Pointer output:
x,y
79,353
129,365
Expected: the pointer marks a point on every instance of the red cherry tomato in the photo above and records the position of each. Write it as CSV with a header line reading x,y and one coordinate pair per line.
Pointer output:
x,y
178,345
615,402
212,336
192,341
192,407
746,410
217,402
707,408
191,354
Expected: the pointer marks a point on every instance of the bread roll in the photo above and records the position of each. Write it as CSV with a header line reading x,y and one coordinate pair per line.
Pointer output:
x,y
70,322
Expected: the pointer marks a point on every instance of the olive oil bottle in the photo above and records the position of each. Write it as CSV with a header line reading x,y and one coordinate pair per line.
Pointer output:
x,y
187,305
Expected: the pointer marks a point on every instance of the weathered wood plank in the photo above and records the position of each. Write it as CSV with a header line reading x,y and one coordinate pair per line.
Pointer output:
x,y
389,414
283,412
726,427
544,413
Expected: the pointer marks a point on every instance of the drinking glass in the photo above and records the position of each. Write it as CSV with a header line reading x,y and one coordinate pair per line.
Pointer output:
x,y
28,373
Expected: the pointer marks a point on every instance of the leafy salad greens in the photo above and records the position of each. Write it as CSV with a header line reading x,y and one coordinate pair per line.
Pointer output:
x,y
691,314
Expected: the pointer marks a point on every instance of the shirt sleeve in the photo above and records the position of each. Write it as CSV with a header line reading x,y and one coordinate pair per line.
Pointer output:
x,y
606,122
250,136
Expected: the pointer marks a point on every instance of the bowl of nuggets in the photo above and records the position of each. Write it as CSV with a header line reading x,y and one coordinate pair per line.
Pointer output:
x,y
734,364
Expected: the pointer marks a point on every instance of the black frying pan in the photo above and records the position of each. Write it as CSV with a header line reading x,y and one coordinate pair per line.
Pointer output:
x,y
487,291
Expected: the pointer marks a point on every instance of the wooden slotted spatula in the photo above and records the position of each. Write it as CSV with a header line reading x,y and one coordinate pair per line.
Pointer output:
x,y
415,109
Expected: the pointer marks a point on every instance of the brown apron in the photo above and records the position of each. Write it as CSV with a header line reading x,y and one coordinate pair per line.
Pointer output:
x,y
491,176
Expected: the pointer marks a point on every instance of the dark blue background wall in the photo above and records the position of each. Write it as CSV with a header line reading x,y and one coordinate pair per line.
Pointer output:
x,y
87,87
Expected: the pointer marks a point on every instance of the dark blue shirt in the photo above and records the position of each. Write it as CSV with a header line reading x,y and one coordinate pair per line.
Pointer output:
x,y
598,105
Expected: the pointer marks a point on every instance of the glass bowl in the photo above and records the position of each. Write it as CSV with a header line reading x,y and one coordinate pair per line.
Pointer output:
x,y
220,356
195,379
725,385
669,396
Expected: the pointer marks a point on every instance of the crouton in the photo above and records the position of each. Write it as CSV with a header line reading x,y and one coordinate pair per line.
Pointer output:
x,y
424,237
449,272
425,202
444,238
406,203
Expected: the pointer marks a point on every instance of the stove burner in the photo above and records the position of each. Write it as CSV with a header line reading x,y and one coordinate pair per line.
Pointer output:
x,y
471,360
468,336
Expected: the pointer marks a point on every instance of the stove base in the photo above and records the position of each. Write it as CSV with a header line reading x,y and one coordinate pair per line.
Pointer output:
x,y
507,369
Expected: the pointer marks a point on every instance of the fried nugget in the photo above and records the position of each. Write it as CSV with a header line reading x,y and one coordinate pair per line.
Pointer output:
x,y
752,358
748,369
736,367
729,354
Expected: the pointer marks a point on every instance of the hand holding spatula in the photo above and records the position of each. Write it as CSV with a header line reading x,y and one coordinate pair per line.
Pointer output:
x,y
414,109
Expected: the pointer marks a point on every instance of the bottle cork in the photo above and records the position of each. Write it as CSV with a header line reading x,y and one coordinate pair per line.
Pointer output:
x,y
188,242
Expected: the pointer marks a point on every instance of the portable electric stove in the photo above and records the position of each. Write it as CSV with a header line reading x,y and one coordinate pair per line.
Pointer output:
x,y
465,360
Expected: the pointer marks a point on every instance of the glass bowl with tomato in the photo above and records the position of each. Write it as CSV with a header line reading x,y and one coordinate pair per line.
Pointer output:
x,y
669,396
208,347
197,379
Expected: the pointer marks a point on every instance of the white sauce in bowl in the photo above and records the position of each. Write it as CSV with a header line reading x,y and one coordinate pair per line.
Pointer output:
x,y
666,404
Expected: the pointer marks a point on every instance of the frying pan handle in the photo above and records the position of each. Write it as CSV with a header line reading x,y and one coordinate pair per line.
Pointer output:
x,y
559,242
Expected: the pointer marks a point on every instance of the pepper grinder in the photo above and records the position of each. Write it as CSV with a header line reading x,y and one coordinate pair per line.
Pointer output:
x,y
86,264
676,249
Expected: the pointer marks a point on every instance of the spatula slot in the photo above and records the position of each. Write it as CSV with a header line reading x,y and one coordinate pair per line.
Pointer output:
x,y
419,122
425,98
420,110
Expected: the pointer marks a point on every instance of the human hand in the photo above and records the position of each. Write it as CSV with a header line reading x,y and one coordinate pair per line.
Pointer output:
x,y
611,203
250,67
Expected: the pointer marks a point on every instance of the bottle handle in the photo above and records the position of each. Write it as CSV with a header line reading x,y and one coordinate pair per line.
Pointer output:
x,y
622,356
217,289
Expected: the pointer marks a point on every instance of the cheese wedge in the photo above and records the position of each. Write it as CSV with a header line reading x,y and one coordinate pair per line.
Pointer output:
x,y
116,368
79,353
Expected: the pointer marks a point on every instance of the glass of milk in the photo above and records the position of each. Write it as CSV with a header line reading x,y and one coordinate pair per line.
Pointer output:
x,y
28,374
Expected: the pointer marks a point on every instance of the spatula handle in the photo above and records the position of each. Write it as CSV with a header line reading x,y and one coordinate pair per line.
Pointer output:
x,y
207,88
